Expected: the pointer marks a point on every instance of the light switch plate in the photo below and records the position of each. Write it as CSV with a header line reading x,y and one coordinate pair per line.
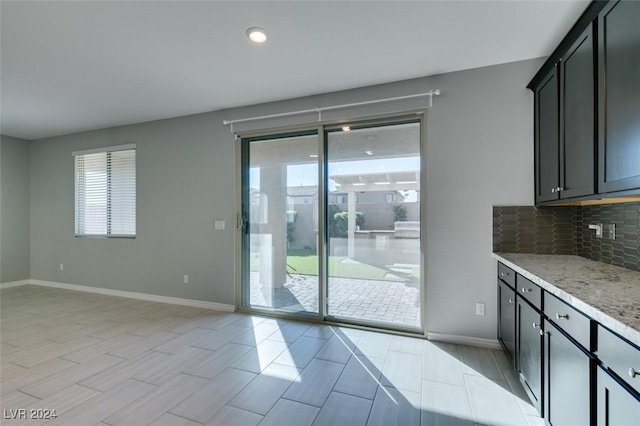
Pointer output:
x,y
219,225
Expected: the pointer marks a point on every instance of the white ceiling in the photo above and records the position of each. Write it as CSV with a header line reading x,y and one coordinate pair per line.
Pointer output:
x,y
74,66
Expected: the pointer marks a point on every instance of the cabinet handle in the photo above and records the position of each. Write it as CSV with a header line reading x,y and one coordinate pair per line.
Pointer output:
x,y
504,274
559,189
553,190
536,325
526,290
633,373
544,333
512,301
564,316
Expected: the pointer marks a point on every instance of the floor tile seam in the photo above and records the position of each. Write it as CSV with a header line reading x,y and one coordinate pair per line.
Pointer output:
x,y
28,394
446,383
467,393
298,402
350,394
230,404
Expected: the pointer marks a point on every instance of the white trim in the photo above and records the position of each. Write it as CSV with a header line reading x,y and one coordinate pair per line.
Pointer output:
x,y
105,149
10,284
464,340
140,296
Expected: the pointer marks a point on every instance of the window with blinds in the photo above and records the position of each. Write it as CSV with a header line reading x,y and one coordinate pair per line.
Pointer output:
x,y
105,192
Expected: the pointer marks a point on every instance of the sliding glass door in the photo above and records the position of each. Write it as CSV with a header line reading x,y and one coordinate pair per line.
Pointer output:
x,y
280,235
374,224
346,249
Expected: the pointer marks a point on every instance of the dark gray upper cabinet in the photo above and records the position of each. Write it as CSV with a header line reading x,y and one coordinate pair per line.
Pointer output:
x,y
547,142
577,123
565,125
591,83
619,93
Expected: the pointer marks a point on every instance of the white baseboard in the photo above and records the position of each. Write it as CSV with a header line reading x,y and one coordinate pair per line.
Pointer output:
x,y
133,295
13,284
464,340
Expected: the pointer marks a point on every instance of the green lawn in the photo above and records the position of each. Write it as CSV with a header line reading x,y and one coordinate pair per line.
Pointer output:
x,y
305,263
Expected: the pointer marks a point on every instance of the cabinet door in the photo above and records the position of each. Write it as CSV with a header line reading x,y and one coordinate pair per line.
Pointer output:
x,y
616,405
530,352
567,381
619,90
507,319
577,123
547,139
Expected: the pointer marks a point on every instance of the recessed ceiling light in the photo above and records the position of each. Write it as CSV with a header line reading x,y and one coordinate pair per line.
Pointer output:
x,y
313,155
346,128
369,152
257,35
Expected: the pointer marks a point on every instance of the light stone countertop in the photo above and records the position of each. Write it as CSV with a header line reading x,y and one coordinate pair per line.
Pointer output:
x,y
608,294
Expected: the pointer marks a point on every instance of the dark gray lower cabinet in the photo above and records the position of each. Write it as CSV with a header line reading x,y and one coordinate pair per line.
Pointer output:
x,y
616,405
530,352
507,318
567,380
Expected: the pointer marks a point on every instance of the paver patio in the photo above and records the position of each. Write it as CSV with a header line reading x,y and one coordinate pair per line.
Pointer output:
x,y
382,301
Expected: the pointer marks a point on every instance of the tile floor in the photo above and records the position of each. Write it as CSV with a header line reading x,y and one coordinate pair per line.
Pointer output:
x,y
111,361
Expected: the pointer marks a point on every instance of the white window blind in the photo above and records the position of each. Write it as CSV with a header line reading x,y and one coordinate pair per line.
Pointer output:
x,y
105,192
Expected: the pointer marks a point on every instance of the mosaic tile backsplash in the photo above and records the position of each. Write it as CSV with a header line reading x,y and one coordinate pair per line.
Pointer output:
x,y
536,230
625,249
564,230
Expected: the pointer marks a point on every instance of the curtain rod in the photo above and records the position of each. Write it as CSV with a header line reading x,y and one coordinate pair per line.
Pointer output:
x,y
334,107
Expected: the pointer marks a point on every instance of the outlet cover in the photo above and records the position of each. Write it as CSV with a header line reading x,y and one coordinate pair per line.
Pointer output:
x,y
185,279
219,224
479,308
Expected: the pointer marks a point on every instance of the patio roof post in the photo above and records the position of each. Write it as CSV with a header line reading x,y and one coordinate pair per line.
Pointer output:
x,y
273,180
351,224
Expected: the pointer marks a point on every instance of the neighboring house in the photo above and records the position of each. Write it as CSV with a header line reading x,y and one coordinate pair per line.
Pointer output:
x,y
368,197
302,195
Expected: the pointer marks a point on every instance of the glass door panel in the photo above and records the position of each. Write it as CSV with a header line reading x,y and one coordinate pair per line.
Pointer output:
x,y
280,208
373,224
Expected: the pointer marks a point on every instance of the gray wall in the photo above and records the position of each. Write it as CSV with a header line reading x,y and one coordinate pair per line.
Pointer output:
x,y
185,181
14,209
479,152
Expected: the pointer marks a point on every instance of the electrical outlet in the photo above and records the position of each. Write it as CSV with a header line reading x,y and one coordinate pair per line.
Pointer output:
x,y
479,308
62,267
185,279
219,224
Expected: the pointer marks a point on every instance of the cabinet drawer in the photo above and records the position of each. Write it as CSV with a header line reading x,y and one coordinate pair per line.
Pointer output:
x,y
576,324
620,356
529,291
507,275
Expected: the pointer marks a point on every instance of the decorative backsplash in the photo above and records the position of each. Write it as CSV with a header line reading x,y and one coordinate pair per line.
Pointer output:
x,y
538,230
564,230
625,249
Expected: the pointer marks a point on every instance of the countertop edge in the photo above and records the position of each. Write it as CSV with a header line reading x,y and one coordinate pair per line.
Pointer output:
x,y
627,332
